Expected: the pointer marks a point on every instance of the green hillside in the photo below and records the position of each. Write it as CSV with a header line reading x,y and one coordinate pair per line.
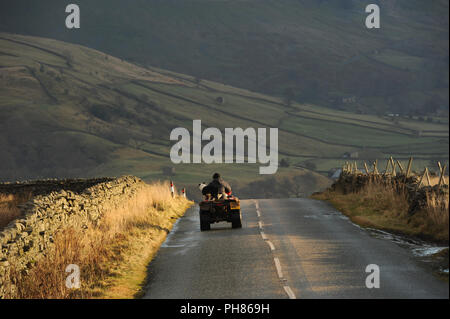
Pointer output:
x,y
314,51
67,110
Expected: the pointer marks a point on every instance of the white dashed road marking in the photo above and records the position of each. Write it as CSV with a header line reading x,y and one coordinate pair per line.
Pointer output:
x,y
286,288
278,266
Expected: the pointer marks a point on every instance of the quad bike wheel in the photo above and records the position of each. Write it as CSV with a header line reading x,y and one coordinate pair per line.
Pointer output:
x,y
204,221
236,220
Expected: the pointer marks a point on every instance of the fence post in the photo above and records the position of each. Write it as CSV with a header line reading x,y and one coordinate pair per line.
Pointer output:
x,y
387,166
421,178
442,175
394,173
428,177
366,168
408,169
402,171
172,189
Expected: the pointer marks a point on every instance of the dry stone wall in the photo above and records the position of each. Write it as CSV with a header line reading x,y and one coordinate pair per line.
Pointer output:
x,y
44,187
77,203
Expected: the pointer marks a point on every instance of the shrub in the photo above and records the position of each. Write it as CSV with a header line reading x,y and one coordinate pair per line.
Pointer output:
x,y
284,162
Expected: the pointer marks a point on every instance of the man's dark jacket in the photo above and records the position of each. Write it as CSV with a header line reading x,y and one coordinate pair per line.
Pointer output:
x,y
217,186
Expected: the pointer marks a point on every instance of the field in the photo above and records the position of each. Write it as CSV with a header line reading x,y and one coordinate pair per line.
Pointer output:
x,y
72,111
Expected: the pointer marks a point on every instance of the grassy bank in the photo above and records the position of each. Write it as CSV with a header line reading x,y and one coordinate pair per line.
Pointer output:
x,y
9,207
112,256
383,207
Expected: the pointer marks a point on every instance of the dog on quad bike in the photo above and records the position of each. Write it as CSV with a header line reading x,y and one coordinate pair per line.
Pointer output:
x,y
209,196
217,188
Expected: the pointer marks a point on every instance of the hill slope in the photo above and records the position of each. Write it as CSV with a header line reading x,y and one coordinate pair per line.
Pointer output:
x,y
313,51
67,110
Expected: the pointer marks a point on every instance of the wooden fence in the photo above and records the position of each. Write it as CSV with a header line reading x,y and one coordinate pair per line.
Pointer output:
x,y
395,168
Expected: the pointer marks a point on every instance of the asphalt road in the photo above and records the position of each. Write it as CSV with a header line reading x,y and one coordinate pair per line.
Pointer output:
x,y
289,248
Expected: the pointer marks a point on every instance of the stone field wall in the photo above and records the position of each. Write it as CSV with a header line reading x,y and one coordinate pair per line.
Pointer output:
x,y
56,205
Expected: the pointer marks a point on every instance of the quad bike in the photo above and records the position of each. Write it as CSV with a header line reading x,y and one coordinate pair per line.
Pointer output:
x,y
213,210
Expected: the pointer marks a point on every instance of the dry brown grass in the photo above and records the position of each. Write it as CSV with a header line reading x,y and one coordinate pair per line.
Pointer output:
x,y
8,207
437,212
386,207
386,199
113,256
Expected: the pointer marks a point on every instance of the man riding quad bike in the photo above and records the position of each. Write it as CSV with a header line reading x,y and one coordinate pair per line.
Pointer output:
x,y
219,204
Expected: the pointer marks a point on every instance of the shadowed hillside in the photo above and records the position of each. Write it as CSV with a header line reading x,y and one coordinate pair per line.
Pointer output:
x,y
315,51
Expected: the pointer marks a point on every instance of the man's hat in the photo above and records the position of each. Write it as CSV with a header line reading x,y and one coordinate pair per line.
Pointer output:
x,y
216,176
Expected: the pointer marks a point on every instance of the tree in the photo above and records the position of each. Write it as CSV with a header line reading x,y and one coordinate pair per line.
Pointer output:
x,y
310,165
284,162
289,96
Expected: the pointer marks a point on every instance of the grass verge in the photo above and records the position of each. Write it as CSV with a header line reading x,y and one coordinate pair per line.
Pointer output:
x,y
383,207
440,260
113,257
8,207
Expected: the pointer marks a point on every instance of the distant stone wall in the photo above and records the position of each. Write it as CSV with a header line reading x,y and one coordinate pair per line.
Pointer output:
x,y
353,182
45,187
61,204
